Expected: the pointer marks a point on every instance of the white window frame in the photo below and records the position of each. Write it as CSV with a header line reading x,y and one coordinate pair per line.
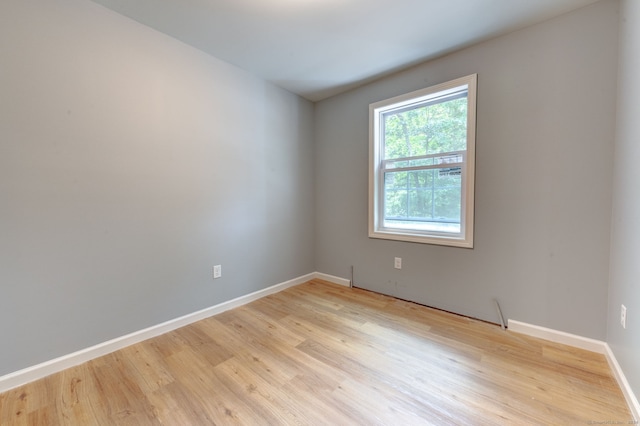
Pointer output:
x,y
376,166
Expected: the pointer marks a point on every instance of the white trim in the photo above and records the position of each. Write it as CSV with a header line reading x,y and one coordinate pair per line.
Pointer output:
x,y
557,336
39,371
332,279
632,401
587,344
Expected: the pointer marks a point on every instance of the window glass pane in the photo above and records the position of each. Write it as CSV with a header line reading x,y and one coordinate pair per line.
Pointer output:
x,y
426,129
396,187
424,199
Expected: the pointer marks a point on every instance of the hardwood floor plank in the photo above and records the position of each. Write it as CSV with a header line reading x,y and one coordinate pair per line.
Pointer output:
x,y
319,353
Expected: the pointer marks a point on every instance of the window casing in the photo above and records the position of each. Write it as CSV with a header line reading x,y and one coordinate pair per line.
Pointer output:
x,y
422,157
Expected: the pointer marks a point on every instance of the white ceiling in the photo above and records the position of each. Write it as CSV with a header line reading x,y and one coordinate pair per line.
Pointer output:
x,y
318,48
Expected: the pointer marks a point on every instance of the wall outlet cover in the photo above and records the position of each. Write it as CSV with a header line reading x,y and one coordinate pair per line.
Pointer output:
x,y
397,263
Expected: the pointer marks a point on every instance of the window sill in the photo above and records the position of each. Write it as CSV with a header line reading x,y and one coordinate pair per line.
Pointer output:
x,y
422,239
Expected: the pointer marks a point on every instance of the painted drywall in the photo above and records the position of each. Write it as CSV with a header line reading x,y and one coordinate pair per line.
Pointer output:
x,y
546,118
624,286
130,164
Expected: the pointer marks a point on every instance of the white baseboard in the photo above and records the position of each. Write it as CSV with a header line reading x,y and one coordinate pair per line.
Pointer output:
x,y
333,279
632,401
557,336
29,374
587,344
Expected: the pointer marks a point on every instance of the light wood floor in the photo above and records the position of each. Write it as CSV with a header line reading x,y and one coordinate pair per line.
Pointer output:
x,y
323,354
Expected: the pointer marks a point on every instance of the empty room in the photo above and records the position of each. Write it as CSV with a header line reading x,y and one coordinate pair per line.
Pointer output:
x,y
319,212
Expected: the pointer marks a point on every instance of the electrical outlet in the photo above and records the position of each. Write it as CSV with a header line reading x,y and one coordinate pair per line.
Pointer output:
x,y
397,263
217,271
623,316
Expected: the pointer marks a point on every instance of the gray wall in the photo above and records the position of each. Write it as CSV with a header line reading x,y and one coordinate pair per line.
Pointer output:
x,y
546,117
130,164
624,286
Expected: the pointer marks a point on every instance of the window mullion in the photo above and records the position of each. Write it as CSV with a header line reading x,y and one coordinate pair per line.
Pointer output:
x,y
423,157
430,167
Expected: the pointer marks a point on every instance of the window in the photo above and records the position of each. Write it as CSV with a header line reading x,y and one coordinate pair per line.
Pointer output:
x,y
422,156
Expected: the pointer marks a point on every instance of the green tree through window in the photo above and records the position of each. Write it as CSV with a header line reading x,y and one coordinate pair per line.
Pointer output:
x,y
425,195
